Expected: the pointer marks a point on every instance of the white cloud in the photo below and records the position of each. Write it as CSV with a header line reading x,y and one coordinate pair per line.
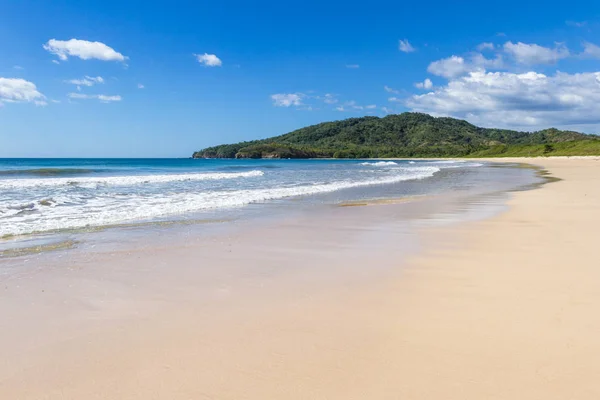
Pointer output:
x,y
485,46
455,66
209,60
391,90
83,49
394,99
532,54
479,61
352,104
18,67
522,100
102,97
303,100
405,46
55,62
140,86
591,50
105,98
352,66
387,110
330,98
426,84
287,99
14,90
87,81
371,106
450,67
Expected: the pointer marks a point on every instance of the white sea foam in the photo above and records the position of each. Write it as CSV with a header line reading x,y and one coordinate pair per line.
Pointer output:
x,y
456,164
124,180
113,209
379,164
449,162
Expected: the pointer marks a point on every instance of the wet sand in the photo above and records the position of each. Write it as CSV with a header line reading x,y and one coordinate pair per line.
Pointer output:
x,y
347,306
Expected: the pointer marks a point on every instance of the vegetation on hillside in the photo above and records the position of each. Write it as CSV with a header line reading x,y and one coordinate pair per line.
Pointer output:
x,y
404,135
572,148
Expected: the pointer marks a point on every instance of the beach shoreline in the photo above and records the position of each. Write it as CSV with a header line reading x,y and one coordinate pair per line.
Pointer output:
x,y
498,308
387,181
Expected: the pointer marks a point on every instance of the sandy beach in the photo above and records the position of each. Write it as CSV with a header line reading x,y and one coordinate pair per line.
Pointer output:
x,y
504,308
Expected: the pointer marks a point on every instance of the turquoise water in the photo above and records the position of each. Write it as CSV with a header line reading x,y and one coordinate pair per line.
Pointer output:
x,y
49,195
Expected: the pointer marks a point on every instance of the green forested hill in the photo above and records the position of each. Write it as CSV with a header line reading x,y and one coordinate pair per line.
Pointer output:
x,y
401,135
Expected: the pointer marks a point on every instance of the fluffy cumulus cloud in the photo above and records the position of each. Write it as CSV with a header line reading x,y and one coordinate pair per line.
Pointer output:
x,y
479,61
486,46
83,49
14,90
209,60
591,50
450,67
86,81
426,84
521,100
455,66
533,54
102,97
405,46
287,99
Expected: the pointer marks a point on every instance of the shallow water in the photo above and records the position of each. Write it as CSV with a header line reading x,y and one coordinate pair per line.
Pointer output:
x,y
46,203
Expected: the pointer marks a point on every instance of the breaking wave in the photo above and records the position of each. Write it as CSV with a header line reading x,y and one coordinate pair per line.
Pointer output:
x,y
124,180
380,164
52,215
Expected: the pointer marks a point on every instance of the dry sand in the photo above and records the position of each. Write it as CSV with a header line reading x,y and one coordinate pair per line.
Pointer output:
x,y
506,308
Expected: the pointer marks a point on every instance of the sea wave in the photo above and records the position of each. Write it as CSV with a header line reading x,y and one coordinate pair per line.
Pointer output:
x,y
106,211
124,180
455,164
379,164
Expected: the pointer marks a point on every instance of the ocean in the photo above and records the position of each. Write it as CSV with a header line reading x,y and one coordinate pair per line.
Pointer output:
x,y
49,196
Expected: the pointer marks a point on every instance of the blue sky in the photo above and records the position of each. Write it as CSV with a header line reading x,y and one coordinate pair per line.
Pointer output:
x,y
162,79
